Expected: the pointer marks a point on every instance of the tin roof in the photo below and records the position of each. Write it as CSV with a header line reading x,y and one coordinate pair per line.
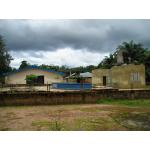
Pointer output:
x,y
86,75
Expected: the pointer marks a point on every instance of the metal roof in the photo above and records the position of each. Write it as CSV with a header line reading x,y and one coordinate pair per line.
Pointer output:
x,y
35,67
86,75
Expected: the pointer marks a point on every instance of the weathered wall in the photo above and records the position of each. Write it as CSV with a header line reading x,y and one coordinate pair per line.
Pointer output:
x,y
87,80
97,76
19,78
121,76
75,97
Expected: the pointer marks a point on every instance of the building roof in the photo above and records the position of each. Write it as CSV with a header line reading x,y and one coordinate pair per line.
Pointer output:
x,y
86,75
35,67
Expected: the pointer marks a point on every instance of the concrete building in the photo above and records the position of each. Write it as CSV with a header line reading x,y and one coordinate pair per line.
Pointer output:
x,y
123,77
45,75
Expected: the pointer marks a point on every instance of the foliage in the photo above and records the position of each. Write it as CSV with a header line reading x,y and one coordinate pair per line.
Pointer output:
x,y
128,102
24,64
68,70
132,53
5,57
30,78
108,62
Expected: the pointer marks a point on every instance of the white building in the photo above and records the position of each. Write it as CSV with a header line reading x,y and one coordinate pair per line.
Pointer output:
x,y
47,76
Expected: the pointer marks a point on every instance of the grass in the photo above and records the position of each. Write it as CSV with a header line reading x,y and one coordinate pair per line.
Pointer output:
x,y
139,102
50,125
147,86
133,121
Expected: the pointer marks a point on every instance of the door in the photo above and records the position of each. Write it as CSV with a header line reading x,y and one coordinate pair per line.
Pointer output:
x,y
40,80
104,80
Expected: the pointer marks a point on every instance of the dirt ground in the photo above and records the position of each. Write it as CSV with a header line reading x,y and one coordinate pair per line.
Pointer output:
x,y
85,117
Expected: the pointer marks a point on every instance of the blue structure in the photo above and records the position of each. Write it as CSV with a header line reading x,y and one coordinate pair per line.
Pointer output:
x,y
72,86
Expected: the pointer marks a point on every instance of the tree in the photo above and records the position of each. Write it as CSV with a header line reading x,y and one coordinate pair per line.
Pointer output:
x,y
5,57
132,52
108,62
24,64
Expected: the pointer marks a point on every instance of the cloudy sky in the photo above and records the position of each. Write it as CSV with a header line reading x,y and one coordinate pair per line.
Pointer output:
x,y
69,42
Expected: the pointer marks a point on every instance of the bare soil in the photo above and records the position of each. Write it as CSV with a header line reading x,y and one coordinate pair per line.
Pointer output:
x,y
85,117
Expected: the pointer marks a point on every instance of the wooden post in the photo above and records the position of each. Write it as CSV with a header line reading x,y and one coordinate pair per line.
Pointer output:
x,y
47,86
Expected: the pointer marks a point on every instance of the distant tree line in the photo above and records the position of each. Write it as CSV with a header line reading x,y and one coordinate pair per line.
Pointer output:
x,y
132,53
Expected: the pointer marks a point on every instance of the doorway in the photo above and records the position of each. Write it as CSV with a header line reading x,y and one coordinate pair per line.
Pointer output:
x,y
104,80
35,80
40,80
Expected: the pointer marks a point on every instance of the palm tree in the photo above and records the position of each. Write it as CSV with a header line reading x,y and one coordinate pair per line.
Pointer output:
x,y
132,52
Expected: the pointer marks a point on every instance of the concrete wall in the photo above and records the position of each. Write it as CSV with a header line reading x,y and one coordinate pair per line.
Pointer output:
x,y
52,98
120,76
19,77
97,76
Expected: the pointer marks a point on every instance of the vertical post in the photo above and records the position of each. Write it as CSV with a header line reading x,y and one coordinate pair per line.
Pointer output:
x,y
47,86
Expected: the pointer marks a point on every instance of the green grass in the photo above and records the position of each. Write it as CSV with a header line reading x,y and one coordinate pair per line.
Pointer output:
x,y
139,102
147,86
52,126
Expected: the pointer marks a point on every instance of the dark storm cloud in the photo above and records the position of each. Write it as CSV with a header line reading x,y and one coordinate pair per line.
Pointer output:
x,y
93,35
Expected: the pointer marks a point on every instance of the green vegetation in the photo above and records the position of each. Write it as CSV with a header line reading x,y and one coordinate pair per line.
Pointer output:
x,y
52,126
31,78
132,53
24,64
139,102
133,121
5,59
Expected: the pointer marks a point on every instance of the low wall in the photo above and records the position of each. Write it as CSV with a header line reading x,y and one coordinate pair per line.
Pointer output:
x,y
69,97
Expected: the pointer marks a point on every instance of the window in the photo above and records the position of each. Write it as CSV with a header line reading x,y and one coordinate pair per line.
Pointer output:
x,y
135,76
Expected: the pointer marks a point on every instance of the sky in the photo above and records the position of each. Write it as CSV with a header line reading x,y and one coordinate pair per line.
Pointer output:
x,y
70,42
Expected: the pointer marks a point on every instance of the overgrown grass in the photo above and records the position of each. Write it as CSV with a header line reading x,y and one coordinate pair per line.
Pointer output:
x,y
139,102
52,126
133,121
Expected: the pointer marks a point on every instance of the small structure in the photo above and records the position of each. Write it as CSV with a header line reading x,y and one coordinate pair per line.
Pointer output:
x,y
122,77
72,78
44,76
86,77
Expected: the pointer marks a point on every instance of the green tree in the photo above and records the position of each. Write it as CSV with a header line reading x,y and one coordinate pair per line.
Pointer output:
x,y
5,57
108,62
24,64
132,52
